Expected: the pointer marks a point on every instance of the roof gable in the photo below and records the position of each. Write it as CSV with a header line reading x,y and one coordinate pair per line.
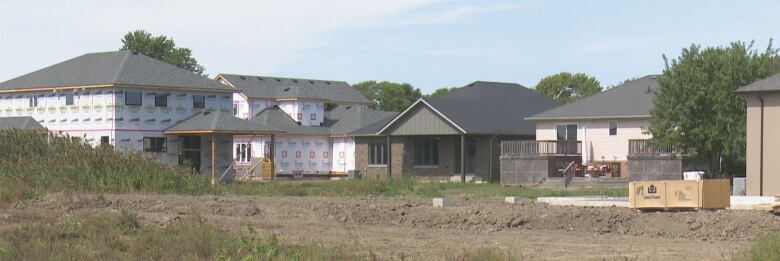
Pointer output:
x,y
632,99
768,84
112,68
421,119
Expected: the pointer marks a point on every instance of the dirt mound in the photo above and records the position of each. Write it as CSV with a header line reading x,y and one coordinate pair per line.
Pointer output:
x,y
491,215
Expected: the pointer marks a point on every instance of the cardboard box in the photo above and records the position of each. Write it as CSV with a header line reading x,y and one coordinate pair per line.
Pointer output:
x,y
681,194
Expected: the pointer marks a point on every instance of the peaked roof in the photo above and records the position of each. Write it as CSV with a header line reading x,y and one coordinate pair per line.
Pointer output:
x,y
488,108
23,122
220,122
632,99
768,84
281,88
112,68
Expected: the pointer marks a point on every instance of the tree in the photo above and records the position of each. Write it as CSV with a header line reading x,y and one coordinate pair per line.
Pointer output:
x,y
388,96
441,91
567,87
161,48
696,110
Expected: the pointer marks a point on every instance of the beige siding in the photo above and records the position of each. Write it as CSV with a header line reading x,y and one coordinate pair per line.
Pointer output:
x,y
594,134
421,120
771,145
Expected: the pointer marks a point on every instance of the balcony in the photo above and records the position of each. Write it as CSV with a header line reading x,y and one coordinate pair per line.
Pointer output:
x,y
541,148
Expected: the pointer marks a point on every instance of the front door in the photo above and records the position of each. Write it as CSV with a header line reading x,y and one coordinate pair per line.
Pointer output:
x,y
471,155
189,151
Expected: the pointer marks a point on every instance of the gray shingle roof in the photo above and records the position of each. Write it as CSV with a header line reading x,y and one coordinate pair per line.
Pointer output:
x,y
768,84
120,67
373,128
632,99
492,108
23,122
276,88
217,121
339,121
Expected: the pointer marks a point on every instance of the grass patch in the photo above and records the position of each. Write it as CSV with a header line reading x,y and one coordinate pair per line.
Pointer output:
x,y
764,248
120,236
33,164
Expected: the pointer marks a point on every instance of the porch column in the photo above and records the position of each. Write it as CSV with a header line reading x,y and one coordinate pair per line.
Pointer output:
x,y
463,158
213,158
389,157
271,154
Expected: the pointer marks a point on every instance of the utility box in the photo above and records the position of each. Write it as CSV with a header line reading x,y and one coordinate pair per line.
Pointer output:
x,y
680,194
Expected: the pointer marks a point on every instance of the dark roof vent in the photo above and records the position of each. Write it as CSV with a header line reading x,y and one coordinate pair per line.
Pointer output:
x,y
310,81
278,80
242,77
287,89
206,112
648,89
328,83
348,107
134,52
295,81
260,78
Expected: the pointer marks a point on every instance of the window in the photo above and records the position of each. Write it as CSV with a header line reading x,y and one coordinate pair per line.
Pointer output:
x,y
34,101
161,100
69,99
566,131
612,128
104,140
426,152
300,116
133,98
243,152
377,153
298,154
198,101
235,109
154,144
313,116
325,154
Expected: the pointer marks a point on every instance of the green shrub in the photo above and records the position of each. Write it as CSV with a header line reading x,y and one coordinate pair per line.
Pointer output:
x,y
34,163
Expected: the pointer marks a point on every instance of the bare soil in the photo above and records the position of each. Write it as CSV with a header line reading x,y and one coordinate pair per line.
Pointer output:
x,y
410,228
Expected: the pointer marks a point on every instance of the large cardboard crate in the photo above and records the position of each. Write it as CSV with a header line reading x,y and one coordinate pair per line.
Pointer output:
x,y
680,194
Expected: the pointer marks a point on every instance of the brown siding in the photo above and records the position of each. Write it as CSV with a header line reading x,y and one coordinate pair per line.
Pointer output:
x,y
421,120
771,145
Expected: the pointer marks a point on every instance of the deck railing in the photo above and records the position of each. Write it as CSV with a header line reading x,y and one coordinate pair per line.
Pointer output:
x,y
540,147
645,148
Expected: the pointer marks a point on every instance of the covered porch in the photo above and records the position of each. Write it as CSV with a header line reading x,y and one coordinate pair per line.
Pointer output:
x,y
205,143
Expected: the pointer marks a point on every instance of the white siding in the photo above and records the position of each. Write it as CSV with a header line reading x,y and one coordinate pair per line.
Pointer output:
x,y
594,134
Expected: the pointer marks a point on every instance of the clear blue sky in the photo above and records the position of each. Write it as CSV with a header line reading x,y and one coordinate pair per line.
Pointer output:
x,y
428,43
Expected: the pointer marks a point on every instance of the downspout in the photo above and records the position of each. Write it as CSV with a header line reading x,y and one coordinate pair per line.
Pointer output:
x,y
761,153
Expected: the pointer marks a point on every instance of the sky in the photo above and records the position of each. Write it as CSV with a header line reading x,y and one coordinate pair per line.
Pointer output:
x,y
428,43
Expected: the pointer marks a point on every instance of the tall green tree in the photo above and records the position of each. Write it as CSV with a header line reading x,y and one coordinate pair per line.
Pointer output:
x,y
161,48
567,87
388,96
440,92
696,110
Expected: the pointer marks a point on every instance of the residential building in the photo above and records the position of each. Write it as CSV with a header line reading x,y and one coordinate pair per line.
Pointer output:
x,y
454,136
606,124
763,141
120,98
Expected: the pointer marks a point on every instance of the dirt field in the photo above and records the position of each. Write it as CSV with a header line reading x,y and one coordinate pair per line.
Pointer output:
x,y
409,228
